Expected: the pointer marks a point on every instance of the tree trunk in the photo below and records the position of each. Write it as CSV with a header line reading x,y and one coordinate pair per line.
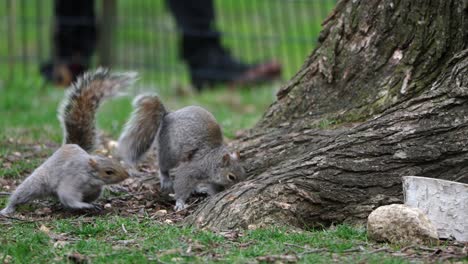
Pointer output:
x,y
383,96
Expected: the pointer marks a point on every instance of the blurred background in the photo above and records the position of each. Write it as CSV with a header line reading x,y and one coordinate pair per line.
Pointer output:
x,y
142,36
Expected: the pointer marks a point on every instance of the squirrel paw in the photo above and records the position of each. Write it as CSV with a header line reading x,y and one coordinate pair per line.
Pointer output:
x,y
93,208
6,211
97,208
180,205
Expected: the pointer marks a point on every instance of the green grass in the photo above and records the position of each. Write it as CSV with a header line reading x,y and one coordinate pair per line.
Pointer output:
x,y
29,112
102,240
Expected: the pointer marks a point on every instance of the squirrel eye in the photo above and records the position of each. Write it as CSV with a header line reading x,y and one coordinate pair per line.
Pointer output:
x,y
231,177
109,172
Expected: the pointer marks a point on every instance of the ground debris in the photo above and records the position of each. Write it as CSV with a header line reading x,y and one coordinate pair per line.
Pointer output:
x,y
278,259
231,235
77,258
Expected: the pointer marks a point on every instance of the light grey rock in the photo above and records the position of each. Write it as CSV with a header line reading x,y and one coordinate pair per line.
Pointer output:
x,y
444,202
401,224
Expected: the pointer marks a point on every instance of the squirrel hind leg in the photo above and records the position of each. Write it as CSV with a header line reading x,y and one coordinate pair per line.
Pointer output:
x,y
23,194
167,185
8,210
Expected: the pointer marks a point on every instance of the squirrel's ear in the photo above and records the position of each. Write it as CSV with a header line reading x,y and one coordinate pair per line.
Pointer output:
x,y
226,159
93,163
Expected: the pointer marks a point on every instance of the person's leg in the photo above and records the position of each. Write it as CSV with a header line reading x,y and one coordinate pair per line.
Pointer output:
x,y
209,62
75,32
74,40
196,21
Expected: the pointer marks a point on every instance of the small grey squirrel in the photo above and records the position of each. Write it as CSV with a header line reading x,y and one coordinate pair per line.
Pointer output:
x,y
192,155
71,174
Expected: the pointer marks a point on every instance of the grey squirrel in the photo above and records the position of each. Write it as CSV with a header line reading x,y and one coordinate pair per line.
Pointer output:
x,y
71,174
192,155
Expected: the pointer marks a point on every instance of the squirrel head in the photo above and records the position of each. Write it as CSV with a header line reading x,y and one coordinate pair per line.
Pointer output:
x,y
108,170
231,170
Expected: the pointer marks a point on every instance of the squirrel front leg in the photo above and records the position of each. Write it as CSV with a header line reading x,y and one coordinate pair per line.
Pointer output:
x,y
72,198
182,191
183,188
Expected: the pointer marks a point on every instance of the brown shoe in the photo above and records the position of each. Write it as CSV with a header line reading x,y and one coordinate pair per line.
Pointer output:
x,y
217,66
61,74
260,73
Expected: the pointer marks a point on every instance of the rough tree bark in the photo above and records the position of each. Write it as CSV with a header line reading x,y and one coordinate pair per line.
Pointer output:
x,y
383,96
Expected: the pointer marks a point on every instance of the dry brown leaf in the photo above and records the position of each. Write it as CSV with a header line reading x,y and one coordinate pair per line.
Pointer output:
x,y
44,229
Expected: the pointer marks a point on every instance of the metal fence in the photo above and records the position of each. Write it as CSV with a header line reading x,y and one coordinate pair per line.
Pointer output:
x,y
141,35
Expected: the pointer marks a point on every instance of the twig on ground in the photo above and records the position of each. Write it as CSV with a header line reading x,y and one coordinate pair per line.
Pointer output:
x,y
16,219
82,219
294,245
307,250
406,248
124,196
426,249
384,249
359,248
355,249
311,251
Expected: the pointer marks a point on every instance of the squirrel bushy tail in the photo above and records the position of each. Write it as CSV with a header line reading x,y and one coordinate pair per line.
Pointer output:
x,y
78,109
141,129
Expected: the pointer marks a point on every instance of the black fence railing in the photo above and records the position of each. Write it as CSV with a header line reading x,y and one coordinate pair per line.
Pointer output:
x,y
144,35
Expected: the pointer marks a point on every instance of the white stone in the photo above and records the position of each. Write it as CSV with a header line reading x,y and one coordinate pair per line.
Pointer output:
x,y
401,224
160,213
444,202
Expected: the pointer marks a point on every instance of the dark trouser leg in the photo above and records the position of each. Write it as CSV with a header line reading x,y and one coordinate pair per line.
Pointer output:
x,y
75,31
74,41
201,48
196,21
200,44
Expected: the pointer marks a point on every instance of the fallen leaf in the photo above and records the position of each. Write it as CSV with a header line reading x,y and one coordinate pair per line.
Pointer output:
x,y
44,229
160,213
60,244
